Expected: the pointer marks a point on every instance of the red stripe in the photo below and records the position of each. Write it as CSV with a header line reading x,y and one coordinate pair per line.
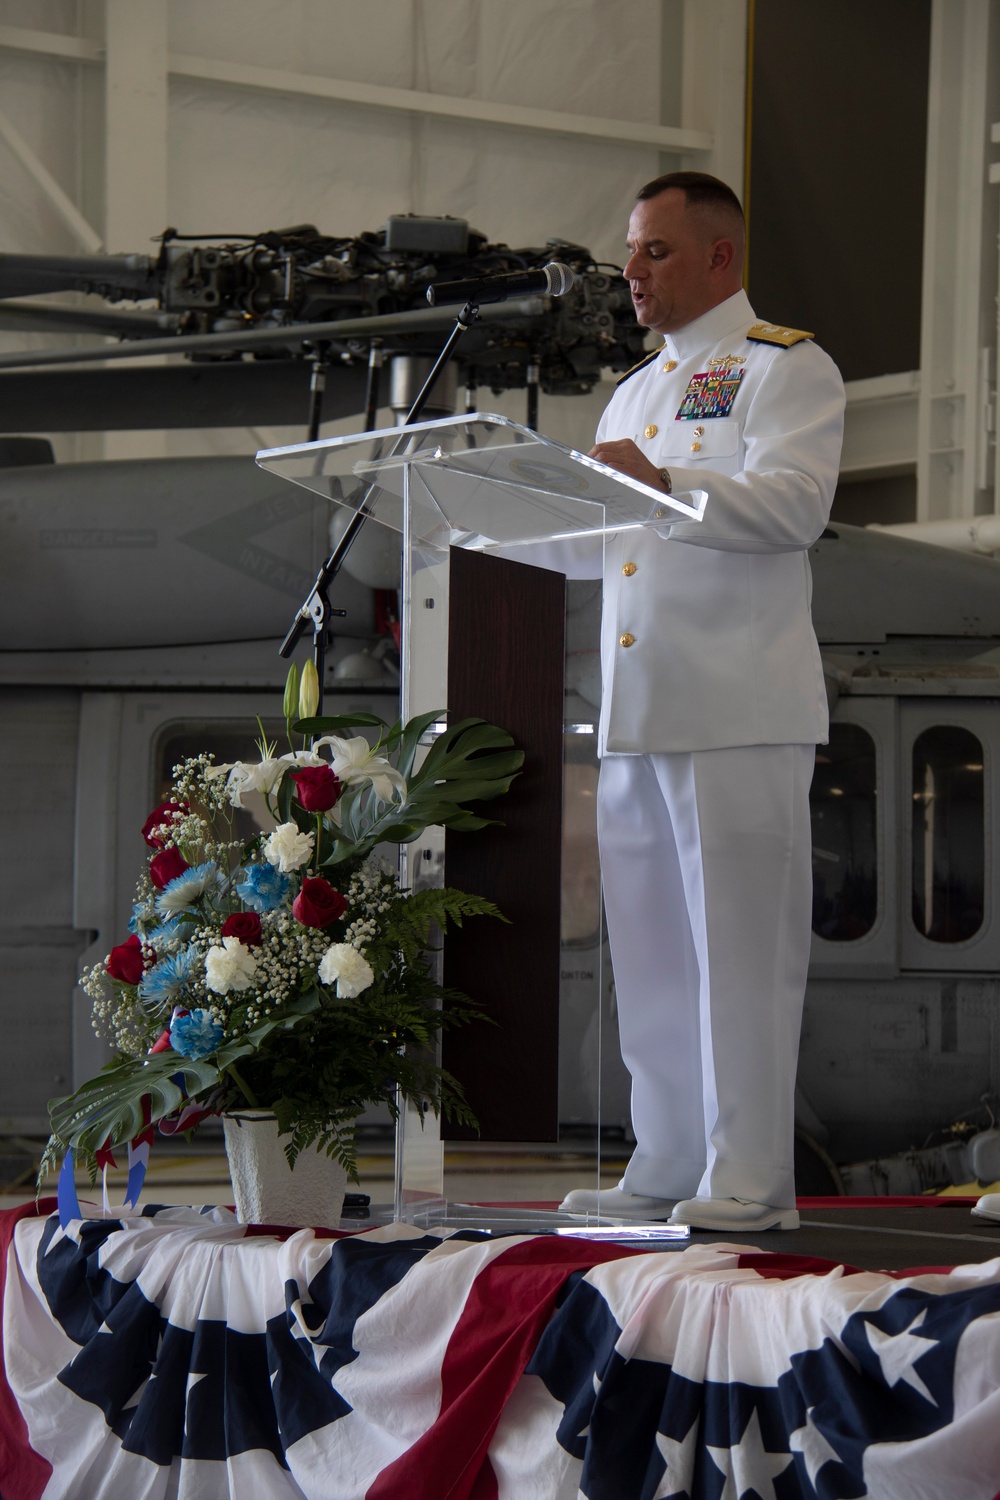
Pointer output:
x,y
505,1313
786,1267
929,1201
23,1472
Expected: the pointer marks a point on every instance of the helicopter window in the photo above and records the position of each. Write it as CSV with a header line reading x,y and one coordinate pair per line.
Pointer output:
x,y
228,742
948,842
843,808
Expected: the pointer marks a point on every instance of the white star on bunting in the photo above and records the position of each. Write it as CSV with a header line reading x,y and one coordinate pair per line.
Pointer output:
x,y
813,1446
679,1459
749,1465
898,1353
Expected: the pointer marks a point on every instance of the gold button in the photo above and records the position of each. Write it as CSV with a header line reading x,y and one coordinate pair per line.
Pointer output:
x,y
695,447
626,639
651,430
628,569
671,364
699,432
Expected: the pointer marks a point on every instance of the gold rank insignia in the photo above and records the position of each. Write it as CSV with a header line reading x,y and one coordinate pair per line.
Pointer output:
x,y
773,333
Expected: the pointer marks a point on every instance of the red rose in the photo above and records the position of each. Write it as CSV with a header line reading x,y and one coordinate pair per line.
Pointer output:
x,y
318,904
160,819
166,866
244,925
125,962
318,788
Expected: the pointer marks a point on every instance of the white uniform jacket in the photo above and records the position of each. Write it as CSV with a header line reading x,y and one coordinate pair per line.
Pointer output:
x,y
716,614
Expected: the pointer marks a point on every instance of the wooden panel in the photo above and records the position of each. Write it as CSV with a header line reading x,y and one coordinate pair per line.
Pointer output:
x,y
837,158
506,665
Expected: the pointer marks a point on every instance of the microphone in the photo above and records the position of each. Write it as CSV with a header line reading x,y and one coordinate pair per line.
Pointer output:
x,y
555,279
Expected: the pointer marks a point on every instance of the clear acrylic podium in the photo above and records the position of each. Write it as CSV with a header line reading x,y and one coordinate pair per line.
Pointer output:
x,y
485,484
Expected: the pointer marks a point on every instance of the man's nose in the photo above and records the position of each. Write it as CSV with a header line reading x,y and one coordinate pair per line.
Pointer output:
x,y
633,269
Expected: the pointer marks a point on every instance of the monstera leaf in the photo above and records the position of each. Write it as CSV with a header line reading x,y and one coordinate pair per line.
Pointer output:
x,y
472,761
110,1106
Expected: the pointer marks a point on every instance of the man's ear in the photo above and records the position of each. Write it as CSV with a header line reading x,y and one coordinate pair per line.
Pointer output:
x,y
723,255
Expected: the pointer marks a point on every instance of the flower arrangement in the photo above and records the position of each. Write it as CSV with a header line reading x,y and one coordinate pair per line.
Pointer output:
x,y
290,972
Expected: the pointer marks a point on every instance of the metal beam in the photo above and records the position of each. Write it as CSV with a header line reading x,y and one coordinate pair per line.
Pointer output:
x,y
85,234
958,324
378,96
135,147
880,426
443,106
50,44
713,92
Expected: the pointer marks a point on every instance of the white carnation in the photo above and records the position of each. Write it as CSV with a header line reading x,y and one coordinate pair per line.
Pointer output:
x,y
349,968
288,848
231,967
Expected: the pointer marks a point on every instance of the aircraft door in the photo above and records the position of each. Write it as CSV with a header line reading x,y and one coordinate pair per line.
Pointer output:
x,y
949,859
852,801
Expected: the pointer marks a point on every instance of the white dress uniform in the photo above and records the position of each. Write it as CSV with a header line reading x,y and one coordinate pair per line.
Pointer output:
x,y
713,702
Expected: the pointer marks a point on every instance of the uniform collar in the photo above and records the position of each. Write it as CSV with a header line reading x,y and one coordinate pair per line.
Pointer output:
x,y
731,316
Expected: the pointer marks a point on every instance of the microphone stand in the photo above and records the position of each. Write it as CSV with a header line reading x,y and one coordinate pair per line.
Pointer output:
x,y
316,608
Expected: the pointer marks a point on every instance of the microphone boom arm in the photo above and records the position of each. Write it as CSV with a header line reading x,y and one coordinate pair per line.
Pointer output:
x,y
316,608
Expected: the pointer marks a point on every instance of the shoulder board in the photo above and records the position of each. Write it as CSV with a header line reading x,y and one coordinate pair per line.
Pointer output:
x,y
773,333
642,363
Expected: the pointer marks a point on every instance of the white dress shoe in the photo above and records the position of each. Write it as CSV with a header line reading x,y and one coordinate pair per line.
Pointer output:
x,y
737,1215
988,1207
614,1204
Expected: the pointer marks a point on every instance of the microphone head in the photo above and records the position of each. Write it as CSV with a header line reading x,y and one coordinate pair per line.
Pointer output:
x,y
560,278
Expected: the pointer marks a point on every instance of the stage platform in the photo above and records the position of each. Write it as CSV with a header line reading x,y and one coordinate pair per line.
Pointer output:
x,y
889,1234
178,1352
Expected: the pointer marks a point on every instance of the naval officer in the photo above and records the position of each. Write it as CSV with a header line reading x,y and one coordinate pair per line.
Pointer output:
x,y
713,703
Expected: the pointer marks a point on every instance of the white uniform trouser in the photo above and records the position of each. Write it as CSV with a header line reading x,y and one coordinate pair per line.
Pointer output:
x,y
707,868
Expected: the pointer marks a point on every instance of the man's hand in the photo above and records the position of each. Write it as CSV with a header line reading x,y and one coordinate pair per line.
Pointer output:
x,y
624,456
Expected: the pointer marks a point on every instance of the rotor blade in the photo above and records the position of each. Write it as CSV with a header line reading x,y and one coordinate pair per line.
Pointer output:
x,y
420,320
247,393
111,275
46,317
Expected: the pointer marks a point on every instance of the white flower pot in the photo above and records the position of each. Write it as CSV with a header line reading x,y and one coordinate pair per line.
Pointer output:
x,y
267,1190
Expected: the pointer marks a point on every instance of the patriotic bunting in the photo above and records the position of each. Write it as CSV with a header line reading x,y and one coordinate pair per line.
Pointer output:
x,y
178,1353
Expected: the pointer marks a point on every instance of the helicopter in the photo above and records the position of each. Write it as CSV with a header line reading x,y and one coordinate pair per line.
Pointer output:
x,y
277,324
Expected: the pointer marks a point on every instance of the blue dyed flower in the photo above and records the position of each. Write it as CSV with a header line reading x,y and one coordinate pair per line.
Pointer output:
x,y
165,938
196,1035
142,915
164,983
263,887
187,888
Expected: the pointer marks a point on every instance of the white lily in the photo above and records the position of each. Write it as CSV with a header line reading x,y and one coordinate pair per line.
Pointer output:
x,y
355,760
260,776
247,776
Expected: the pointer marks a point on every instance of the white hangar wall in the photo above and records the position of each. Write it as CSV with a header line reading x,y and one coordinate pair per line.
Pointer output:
x,y
216,123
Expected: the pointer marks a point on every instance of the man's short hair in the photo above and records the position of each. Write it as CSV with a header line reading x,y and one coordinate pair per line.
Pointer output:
x,y
699,188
